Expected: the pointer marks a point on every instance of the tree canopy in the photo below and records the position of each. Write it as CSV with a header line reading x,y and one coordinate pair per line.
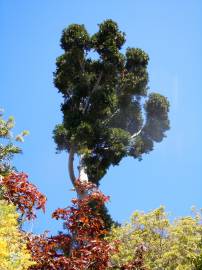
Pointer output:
x,y
108,113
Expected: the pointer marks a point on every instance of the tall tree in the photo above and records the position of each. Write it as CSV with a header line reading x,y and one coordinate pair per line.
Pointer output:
x,y
107,111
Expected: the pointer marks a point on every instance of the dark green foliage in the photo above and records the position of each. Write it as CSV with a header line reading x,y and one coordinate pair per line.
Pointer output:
x,y
107,112
60,137
75,37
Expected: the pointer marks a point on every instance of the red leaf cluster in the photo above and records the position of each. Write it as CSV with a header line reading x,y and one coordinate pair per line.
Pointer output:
x,y
45,251
23,194
82,219
84,247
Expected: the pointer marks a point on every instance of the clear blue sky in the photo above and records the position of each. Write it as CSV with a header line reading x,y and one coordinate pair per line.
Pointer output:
x,y
170,32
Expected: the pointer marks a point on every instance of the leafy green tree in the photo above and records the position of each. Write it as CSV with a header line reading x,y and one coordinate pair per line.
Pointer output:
x,y
168,245
107,111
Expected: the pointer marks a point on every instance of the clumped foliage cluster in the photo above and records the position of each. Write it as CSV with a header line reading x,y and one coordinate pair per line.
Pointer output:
x,y
107,111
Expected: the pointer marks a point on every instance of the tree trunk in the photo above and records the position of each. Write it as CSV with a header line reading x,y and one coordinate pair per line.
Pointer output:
x,y
83,177
71,165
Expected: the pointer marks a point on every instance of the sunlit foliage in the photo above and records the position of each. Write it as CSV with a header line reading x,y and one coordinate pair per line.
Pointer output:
x,y
23,194
169,245
13,252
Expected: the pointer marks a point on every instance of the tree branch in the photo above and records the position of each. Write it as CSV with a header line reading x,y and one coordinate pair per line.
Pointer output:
x,y
136,134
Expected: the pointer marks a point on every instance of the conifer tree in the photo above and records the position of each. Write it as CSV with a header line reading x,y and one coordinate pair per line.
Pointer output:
x,y
108,113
